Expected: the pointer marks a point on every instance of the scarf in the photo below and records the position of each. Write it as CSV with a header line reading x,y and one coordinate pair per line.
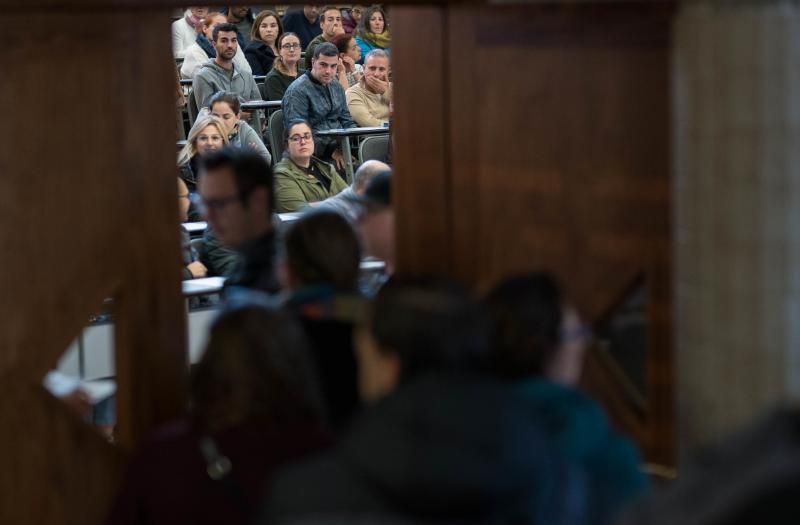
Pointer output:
x,y
205,45
192,20
383,40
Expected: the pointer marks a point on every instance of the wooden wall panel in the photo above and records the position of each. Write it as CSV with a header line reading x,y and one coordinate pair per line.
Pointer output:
x,y
556,156
87,211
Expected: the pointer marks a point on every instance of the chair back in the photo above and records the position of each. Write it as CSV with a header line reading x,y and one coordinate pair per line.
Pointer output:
x,y
276,136
374,147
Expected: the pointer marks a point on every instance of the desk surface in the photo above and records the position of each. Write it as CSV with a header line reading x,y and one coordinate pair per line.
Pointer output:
x,y
202,286
261,104
194,227
350,132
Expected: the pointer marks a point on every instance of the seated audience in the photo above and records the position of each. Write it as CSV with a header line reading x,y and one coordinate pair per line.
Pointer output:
x,y
376,223
225,106
255,405
184,30
207,134
192,267
220,260
330,21
350,71
346,201
237,200
242,17
263,48
202,49
438,442
304,22
221,74
300,178
538,344
351,19
369,100
322,272
285,69
315,98
373,31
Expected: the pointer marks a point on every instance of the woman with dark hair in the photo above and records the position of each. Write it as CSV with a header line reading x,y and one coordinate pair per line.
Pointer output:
x,y
323,256
286,68
349,71
262,49
226,107
538,345
301,179
255,405
373,31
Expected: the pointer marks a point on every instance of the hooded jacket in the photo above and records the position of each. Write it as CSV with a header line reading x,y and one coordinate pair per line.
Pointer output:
x,y
441,449
212,78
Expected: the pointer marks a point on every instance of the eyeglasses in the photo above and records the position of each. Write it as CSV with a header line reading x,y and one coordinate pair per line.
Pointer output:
x,y
306,137
204,206
290,46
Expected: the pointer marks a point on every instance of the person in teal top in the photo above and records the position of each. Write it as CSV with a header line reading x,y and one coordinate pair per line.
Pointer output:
x,y
538,342
373,32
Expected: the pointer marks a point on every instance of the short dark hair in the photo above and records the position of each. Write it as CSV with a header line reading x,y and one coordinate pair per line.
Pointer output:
x,y
342,42
327,49
526,312
250,171
431,323
327,8
322,248
227,27
225,96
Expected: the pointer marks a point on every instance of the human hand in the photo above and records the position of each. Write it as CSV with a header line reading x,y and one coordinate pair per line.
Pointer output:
x,y
377,85
78,401
348,62
338,158
197,269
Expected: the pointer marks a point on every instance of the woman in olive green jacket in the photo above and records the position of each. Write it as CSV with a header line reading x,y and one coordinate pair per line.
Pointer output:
x,y
300,178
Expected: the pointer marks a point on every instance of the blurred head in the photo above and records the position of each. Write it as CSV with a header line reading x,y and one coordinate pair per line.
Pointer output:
x,y
355,13
267,27
346,44
373,20
183,201
311,12
322,248
325,62
417,325
226,107
210,21
536,333
330,21
256,367
366,172
376,223
288,48
238,12
225,41
376,65
199,12
299,142
236,195
207,134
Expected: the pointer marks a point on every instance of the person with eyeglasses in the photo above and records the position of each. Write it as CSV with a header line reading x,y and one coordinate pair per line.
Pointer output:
x,y
317,98
235,197
286,68
538,345
301,179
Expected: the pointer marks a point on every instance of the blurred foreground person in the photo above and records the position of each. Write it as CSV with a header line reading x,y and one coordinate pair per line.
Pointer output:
x,y
254,406
439,442
322,273
538,345
752,477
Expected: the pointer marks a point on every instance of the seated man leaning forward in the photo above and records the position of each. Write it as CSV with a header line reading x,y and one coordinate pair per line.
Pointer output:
x,y
317,99
368,100
300,178
221,74
236,199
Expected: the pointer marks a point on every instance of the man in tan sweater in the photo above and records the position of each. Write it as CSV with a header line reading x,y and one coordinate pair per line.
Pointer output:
x,y
368,100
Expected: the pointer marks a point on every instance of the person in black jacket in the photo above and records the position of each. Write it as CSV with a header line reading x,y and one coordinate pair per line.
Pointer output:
x,y
262,49
440,441
236,198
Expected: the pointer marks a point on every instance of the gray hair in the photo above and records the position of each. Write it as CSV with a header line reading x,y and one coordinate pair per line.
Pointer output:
x,y
379,53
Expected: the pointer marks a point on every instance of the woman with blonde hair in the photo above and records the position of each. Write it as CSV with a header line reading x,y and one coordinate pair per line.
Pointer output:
x,y
263,48
208,134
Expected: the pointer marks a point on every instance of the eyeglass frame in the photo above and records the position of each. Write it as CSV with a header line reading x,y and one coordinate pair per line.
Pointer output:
x,y
290,45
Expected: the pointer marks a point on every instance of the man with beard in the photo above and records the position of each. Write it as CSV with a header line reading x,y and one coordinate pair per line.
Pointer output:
x,y
220,74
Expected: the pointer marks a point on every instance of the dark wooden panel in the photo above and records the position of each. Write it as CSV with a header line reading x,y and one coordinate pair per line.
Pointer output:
x,y
87,211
